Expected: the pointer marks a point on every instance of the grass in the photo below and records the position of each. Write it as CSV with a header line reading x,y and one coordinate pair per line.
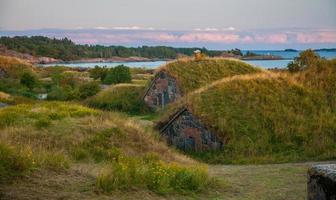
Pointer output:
x,y
267,118
58,137
192,74
121,97
14,67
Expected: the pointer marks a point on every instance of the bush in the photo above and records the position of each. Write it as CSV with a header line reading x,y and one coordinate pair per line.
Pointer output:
x,y
118,74
29,80
307,58
88,89
98,72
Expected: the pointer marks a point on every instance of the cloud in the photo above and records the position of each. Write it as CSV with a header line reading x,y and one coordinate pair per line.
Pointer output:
x,y
209,37
277,38
319,37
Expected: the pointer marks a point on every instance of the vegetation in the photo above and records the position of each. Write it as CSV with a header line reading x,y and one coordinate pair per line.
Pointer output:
x,y
118,74
121,97
306,59
58,136
66,50
193,74
270,117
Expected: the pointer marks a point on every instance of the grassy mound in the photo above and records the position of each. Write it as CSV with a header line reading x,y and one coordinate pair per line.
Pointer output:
x,y
118,153
14,67
192,74
269,117
121,97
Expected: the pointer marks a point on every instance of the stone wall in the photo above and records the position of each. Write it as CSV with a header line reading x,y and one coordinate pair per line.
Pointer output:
x,y
163,90
187,132
322,182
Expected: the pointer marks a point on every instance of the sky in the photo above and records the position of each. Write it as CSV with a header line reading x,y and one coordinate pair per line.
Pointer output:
x,y
215,24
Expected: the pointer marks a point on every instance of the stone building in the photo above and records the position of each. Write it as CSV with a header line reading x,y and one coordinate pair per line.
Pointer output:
x,y
162,91
322,182
187,132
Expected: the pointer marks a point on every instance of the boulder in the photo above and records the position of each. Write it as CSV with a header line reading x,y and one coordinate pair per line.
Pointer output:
x,y
322,182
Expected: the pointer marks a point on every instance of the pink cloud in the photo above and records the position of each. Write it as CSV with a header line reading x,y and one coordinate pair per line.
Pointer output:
x,y
209,37
321,37
275,38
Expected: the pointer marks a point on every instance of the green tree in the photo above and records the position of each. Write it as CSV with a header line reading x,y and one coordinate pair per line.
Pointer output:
x,y
306,59
98,72
118,74
29,80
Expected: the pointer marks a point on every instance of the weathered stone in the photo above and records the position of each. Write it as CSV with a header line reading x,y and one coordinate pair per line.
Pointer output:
x,y
2,73
162,91
322,182
187,132
2,105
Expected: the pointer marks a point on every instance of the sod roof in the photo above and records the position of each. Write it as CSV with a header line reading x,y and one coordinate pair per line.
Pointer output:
x,y
269,113
192,74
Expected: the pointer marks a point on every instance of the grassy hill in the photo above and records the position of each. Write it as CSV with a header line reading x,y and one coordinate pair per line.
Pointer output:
x,y
192,74
107,151
14,67
121,97
269,117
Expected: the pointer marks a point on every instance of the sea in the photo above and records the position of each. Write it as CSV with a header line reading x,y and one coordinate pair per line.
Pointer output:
x,y
287,56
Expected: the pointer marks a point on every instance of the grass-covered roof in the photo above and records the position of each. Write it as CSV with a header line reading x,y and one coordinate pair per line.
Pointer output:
x,y
270,116
192,74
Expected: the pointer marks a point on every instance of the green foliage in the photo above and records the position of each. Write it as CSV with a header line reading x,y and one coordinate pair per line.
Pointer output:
x,y
29,80
193,74
305,60
98,72
235,52
151,174
123,97
65,49
88,89
118,74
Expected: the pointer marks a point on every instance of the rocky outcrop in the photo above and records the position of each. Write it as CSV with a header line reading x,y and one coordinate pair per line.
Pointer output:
x,y
322,182
162,91
187,132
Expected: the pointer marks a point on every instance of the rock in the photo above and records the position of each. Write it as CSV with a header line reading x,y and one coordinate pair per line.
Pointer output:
x,y
322,182
162,91
2,105
187,132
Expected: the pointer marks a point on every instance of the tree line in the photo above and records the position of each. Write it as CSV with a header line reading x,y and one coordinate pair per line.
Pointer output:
x,y
65,49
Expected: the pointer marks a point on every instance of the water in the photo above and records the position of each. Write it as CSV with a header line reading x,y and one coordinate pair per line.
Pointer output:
x,y
287,56
150,64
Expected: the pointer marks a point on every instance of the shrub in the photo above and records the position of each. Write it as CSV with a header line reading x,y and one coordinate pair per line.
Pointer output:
x,y
98,72
307,58
118,74
88,89
29,80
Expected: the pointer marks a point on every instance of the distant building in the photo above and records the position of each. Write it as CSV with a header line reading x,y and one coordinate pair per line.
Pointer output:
x,y
198,54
